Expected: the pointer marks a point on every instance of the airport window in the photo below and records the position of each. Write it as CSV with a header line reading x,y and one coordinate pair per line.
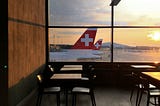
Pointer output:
x,y
137,38
70,37
65,44
136,45
137,13
136,35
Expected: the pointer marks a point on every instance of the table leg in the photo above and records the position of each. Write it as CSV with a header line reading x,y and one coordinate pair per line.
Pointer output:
x,y
158,100
66,94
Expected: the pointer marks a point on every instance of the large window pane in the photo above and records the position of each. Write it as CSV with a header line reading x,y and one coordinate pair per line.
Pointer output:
x,y
137,45
61,41
79,12
137,12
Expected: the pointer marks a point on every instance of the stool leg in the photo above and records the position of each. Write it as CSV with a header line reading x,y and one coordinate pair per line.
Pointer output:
x,y
140,97
155,100
148,99
158,100
93,98
66,95
137,96
131,94
38,99
74,99
58,99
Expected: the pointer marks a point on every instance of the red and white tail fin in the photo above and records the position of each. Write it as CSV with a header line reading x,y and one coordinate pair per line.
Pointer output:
x,y
98,44
86,41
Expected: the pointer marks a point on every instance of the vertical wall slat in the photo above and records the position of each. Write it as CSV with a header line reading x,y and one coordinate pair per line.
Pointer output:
x,y
26,38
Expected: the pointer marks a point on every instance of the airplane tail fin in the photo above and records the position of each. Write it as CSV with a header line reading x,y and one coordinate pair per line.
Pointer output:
x,y
98,44
86,41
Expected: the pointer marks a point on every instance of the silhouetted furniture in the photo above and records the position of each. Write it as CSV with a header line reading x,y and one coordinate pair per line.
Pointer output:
x,y
140,85
151,77
85,86
136,86
151,92
48,72
43,88
66,81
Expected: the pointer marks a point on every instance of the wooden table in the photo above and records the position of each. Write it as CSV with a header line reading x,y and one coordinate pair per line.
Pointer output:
x,y
142,66
153,77
66,76
71,68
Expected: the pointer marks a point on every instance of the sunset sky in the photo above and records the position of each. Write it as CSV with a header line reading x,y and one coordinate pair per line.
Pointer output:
x,y
98,12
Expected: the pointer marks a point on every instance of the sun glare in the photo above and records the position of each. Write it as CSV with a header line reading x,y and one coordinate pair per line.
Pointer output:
x,y
155,36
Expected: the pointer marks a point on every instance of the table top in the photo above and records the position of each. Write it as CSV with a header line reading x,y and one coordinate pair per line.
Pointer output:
x,y
142,66
152,77
66,76
68,66
155,75
71,67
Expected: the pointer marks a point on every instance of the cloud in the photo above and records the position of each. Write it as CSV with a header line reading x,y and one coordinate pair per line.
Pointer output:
x,y
98,12
78,12
69,32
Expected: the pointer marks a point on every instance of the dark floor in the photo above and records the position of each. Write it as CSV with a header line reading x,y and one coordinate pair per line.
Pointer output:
x,y
105,96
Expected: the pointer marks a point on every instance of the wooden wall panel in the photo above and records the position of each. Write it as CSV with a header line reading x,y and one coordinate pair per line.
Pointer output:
x,y
26,37
29,10
26,50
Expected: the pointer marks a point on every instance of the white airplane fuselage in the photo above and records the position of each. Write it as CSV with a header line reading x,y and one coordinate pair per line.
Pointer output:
x,y
75,54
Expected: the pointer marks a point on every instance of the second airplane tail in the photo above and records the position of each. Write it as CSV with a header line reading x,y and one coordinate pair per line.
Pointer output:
x,y
98,44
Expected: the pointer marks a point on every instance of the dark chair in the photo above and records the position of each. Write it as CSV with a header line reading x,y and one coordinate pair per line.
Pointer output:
x,y
137,85
48,72
43,88
151,92
85,86
140,86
